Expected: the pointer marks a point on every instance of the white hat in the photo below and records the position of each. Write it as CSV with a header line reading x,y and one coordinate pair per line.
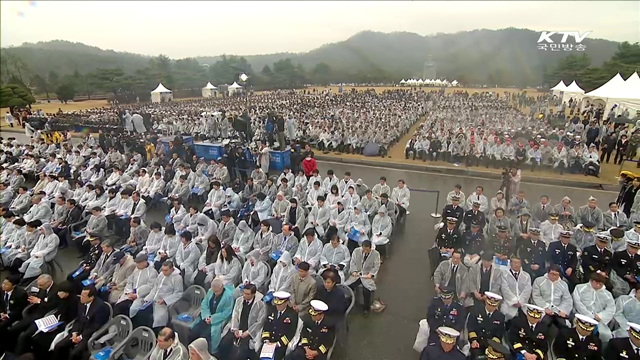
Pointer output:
x,y
634,329
317,307
586,322
281,295
492,295
534,311
591,198
633,243
448,335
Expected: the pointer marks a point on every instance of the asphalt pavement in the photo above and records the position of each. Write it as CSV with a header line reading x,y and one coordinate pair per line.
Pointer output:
x,y
403,283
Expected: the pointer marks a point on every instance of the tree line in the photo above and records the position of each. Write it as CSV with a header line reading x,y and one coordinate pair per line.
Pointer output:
x,y
19,82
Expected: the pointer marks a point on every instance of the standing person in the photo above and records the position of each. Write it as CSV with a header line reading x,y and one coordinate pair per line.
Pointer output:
x,y
9,119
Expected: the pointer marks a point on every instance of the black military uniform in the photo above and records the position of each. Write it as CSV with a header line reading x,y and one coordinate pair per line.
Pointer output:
x,y
280,329
439,314
484,327
90,261
625,264
473,242
449,238
522,337
435,352
565,256
621,349
318,337
568,345
450,212
594,259
533,252
474,215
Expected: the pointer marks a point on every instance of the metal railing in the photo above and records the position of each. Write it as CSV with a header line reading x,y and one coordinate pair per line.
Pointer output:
x,y
435,214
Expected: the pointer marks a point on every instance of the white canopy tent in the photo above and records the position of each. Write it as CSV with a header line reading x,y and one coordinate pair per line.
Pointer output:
x,y
572,91
607,93
209,91
161,94
559,88
454,83
403,81
233,88
630,97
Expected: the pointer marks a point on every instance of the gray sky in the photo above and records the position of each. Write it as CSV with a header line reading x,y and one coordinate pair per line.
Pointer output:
x,y
182,29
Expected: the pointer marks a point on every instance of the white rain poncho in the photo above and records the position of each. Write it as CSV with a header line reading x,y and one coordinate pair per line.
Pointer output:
x,y
591,302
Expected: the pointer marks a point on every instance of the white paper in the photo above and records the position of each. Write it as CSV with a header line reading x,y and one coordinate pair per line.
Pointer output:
x,y
47,323
268,351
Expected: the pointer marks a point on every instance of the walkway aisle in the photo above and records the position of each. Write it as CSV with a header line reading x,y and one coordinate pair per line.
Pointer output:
x,y
397,151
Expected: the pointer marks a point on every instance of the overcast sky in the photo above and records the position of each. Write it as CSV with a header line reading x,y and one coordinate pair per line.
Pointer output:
x,y
182,29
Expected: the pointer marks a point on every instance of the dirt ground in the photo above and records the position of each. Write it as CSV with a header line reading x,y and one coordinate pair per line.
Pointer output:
x,y
71,106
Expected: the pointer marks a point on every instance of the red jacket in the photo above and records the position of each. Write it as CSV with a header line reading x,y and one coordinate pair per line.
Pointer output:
x,y
308,165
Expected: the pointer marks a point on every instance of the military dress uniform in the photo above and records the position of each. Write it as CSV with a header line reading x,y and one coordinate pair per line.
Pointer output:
x,y
474,215
450,212
484,327
565,256
523,337
503,247
473,242
570,345
594,259
316,335
449,238
280,329
533,253
439,314
624,263
435,351
90,260
625,348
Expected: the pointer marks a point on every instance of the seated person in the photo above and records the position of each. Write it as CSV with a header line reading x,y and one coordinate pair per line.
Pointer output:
x,y
552,294
216,311
527,334
485,323
444,311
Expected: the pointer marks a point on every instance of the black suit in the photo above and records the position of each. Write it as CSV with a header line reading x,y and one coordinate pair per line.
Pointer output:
x,y
568,346
49,301
17,301
73,216
280,330
87,323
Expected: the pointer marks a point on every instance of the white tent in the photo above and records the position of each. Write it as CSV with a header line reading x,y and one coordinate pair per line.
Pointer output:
x,y
560,87
420,82
618,91
233,88
161,94
209,91
630,99
454,83
572,91
607,93
403,81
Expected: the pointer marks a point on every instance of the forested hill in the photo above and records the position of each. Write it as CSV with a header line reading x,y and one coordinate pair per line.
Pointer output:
x,y
507,57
